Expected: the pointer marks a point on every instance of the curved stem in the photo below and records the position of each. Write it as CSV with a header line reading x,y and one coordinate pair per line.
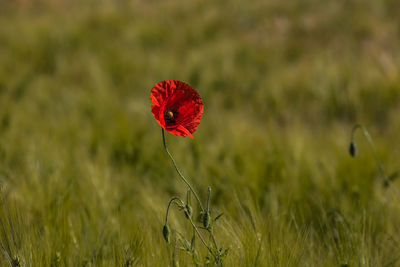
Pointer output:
x,y
367,136
177,170
169,204
197,198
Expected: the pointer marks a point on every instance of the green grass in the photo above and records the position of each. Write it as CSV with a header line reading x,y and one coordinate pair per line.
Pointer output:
x,y
84,178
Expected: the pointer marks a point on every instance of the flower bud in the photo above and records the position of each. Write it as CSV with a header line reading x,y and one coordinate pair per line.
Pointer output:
x,y
352,149
166,233
206,219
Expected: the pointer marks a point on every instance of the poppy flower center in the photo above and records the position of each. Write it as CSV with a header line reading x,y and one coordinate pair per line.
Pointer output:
x,y
169,116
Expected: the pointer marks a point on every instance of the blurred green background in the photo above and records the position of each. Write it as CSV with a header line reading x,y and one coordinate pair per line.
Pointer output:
x,y
85,181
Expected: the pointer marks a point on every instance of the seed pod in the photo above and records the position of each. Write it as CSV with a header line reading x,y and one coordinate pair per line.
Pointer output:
x,y
188,211
206,219
352,149
166,233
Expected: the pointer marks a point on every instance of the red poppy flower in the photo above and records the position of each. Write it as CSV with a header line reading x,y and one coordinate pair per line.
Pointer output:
x,y
177,107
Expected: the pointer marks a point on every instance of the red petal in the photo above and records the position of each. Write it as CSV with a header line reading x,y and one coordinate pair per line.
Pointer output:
x,y
183,100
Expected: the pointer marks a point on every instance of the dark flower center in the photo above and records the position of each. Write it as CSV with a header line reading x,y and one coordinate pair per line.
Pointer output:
x,y
169,116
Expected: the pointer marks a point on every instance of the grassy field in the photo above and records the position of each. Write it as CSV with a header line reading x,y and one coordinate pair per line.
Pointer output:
x,y
85,181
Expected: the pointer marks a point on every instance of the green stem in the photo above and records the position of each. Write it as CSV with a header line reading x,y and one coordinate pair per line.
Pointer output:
x,y
169,204
213,239
201,237
208,210
202,240
196,196
177,170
